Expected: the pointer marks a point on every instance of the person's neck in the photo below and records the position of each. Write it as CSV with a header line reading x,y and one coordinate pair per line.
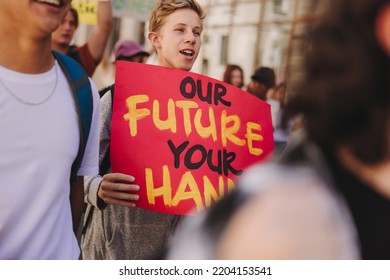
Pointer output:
x,y
26,55
62,48
376,175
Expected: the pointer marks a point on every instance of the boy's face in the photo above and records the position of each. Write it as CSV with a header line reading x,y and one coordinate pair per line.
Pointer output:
x,y
178,41
64,33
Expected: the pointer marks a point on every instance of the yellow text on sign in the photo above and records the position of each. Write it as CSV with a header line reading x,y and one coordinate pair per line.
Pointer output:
x,y
188,189
229,125
86,10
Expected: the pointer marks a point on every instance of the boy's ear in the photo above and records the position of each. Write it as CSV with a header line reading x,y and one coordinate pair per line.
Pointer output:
x,y
383,28
154,40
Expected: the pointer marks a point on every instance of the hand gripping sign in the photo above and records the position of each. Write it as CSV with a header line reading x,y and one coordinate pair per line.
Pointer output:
x,y
184,137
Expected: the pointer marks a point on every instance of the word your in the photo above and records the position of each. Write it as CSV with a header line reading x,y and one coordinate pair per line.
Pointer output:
x,y
224,158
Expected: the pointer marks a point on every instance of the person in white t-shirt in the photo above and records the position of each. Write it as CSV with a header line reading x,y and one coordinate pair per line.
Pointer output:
x,y
39,137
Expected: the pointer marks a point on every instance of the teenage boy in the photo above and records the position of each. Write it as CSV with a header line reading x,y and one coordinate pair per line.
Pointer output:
x,y
114,231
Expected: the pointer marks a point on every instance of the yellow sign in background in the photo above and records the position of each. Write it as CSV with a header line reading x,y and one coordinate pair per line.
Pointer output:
x,y
86,10
137,9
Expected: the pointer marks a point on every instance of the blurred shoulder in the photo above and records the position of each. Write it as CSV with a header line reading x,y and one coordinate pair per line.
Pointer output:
x,y
290,213
276,212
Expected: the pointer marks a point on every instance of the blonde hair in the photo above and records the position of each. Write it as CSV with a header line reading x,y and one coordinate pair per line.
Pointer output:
x,y
164,8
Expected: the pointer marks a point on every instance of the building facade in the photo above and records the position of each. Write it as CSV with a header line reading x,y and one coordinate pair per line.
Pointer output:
x,y
254,33
250,33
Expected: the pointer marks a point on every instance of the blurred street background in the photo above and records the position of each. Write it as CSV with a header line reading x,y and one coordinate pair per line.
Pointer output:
x,y
249,33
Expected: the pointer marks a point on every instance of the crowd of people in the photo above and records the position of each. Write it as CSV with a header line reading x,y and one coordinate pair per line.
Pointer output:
x,y
264,86
324,195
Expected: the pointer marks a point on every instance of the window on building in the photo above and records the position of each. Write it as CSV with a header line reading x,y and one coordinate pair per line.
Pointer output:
x,y
279,7
224,48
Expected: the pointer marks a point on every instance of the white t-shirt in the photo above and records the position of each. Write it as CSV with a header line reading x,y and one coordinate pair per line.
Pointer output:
x,y
275,108
38,144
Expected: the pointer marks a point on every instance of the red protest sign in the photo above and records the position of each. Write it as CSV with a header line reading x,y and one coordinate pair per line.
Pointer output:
x,y
185,137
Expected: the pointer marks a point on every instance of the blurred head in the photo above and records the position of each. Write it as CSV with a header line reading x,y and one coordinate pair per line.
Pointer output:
x,y
278,93
262,80
345,96
265,76
75,15
175,29
234,75
130,51
63,35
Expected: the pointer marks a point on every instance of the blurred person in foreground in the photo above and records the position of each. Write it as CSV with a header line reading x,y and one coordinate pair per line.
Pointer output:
x,y
117,229
91,52
328,197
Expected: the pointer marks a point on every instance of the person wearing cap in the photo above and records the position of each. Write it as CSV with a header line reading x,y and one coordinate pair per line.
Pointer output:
x,y
126,50
130,51
262,80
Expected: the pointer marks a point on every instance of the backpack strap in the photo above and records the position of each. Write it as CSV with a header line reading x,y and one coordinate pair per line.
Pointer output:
x,y
82,93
